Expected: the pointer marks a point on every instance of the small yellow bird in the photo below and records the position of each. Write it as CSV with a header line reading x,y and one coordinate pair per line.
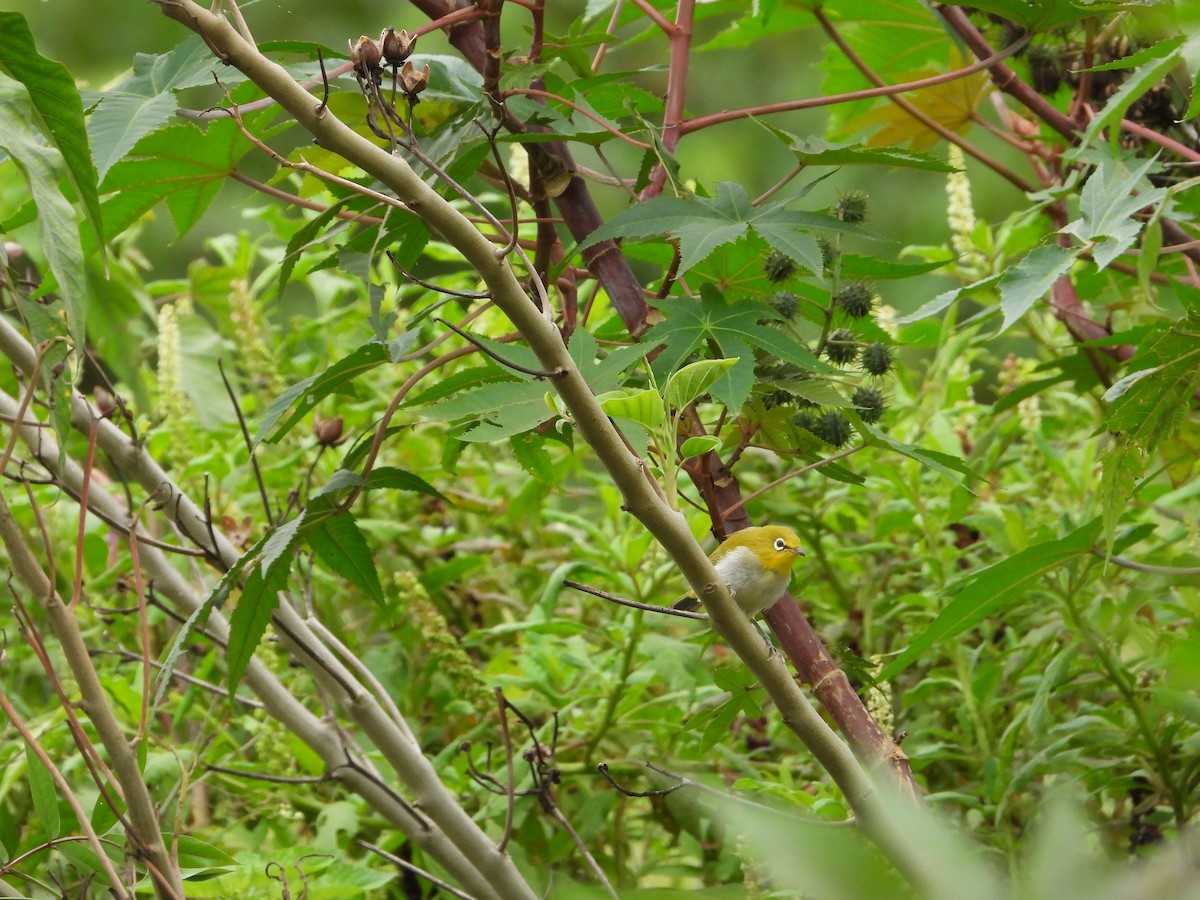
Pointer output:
x,y
756,565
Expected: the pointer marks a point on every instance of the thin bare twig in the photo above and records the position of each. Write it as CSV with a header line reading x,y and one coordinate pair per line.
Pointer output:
x,y
507,363
634,604
510,787
416,870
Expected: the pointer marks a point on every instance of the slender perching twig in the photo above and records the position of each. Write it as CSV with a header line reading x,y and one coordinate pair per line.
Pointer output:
x,y
1148,568
416,870
249,442
511,783
634,604
465,295
507,363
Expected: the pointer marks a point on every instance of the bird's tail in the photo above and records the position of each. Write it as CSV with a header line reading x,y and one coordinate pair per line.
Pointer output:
x,y
687,603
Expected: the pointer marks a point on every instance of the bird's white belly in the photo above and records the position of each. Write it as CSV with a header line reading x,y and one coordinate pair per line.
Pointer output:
x,y
753,586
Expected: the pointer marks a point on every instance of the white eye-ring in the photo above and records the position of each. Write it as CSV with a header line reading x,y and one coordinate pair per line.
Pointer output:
x,y
780,544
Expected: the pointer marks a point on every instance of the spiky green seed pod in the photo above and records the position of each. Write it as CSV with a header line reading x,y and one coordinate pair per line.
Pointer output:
x,y
869,401
778,266
852,207
842,346
806,418
833,427
785,303
778,397
856,300
877,359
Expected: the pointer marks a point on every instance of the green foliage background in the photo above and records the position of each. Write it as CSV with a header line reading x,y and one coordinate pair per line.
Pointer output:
x,y
1013,553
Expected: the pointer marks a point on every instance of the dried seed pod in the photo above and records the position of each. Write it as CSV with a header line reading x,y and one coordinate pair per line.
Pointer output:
x,y
365,56
397,45
328,432
105,402
413,82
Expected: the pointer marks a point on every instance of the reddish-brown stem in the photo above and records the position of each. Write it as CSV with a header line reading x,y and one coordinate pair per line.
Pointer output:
x,y
886,90
1004,77
607,126
679,40
139,587
654,15
88,461
1162,140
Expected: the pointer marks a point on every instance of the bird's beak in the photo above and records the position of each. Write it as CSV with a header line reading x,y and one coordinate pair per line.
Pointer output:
x,y
798,551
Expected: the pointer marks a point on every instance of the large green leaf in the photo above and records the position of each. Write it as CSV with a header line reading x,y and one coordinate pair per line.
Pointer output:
x,y
942,463
993,589
337,378
1116,191
1028,281
702,224
1148,409
737,329
59,110
56,224
341,546
182,165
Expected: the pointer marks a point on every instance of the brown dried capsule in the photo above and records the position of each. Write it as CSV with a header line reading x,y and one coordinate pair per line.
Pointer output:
x,y
413,82
328,431
105,403
365,56
397,45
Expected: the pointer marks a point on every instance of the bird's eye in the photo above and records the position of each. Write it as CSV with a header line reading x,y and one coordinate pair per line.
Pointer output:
x,y
780,544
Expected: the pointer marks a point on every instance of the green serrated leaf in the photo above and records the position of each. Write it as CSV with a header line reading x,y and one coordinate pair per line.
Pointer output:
x,y
391,478
341,546
1111,198
57,228
44,792
179,164
312,390
993,589
252,615
1027,282
1123,464
1134,86
1152,406
942,463
818,152
59,111
735,328
280,543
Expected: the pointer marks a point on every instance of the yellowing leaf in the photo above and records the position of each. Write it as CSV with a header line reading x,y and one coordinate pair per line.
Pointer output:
x,y
950,104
